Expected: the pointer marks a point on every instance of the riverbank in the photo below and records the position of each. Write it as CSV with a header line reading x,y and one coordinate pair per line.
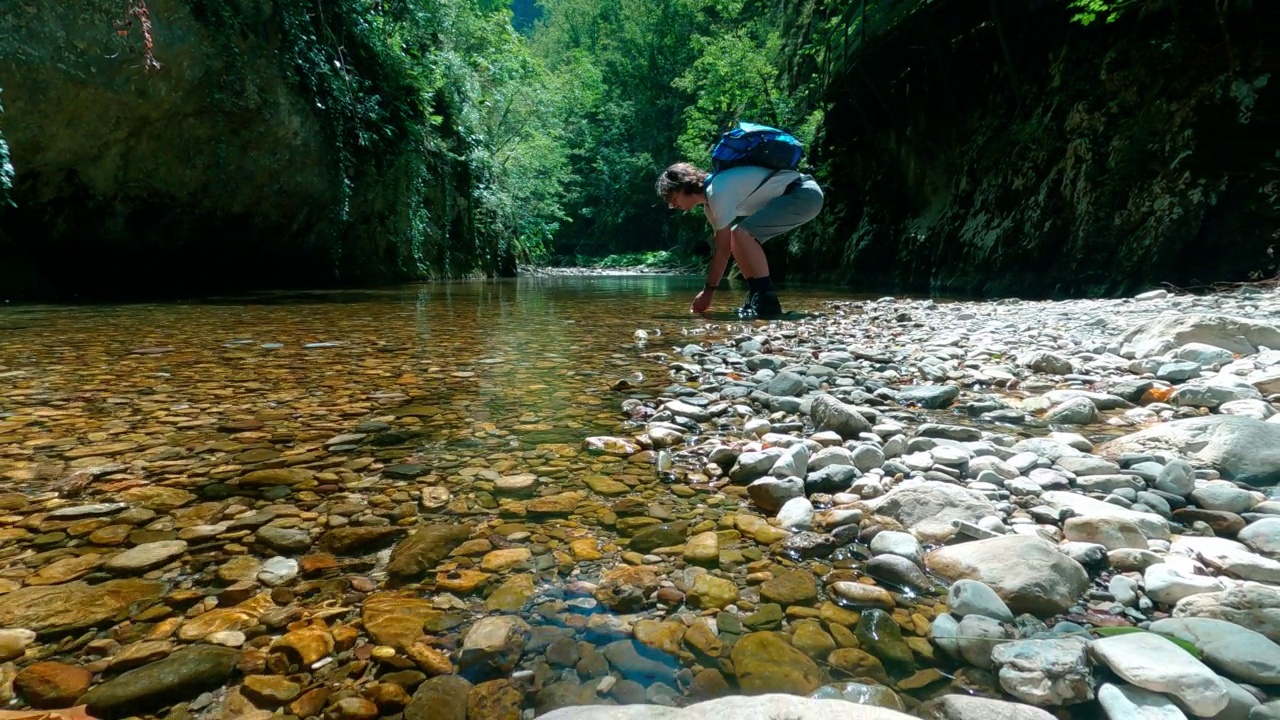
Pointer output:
x,y
945,509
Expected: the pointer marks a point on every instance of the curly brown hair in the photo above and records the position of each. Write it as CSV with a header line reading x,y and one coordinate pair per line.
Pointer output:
x,y
681,177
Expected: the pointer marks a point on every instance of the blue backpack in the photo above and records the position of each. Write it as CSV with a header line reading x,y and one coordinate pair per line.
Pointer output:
x,y
758,145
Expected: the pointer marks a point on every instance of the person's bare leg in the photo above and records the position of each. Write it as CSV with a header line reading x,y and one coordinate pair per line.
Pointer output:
x,y
761,299
749,255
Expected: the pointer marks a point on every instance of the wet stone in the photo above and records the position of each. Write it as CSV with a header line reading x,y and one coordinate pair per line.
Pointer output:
x,y
639,663
440,698
51,684
765,662
179,676
790,587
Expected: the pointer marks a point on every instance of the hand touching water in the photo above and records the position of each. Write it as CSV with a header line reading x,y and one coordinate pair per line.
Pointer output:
x,y
702,301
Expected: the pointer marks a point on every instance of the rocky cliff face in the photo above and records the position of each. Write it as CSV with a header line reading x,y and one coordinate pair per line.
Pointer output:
x,y
1057,160
238,163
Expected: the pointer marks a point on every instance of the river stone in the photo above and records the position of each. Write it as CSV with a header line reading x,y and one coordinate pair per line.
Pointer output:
x,y
275,476
662,636
305,645
1224,497
440,698
977,636
1153,526
971,707
1239,562
75,512
650,538
770,494
861,694
283,540
497,699
66,569
51,684
703,548
932,397
757,707
396,620
358,540
796,514
558,504
1110,532
237,617
270,690
156,497
765,662
185,673
14,642
74,606
1153,662
859,595
1045,672
1028,573
493,645
1241,448
1233,334
790,587
1255,607
755,464
1167,584
879,635
1215,391
898,543
1262,536
640,663
146,556
808,637
413,556
899,572
970,597
1075,411
1126,702
1234,650
710,592
830,414
928,508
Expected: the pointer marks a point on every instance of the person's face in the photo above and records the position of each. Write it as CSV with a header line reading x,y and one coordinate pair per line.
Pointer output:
x,y
682,200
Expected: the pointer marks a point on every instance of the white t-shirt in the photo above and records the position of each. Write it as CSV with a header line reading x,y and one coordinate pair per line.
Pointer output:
x,y
738,192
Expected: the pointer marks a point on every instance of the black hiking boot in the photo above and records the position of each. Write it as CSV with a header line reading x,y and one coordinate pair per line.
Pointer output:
x,y
748,309
766,305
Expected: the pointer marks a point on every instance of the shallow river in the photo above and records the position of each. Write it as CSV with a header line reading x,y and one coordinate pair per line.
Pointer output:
x,y
259,457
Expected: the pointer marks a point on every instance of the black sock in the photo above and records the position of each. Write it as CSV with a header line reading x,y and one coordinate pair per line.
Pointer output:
x,y
760,284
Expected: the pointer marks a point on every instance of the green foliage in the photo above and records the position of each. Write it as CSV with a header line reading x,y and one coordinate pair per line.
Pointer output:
x,y
661,79
651,260
444,97
1089,11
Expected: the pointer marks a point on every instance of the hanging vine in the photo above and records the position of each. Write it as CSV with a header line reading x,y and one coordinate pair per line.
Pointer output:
x,y
136,12
6,170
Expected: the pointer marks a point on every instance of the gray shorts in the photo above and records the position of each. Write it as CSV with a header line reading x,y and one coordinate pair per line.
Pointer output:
x,y
798,205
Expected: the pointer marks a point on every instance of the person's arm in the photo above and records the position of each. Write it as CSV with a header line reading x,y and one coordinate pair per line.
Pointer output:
x,y
719,261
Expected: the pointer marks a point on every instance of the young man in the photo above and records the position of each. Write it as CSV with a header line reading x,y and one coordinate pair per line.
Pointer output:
x,y
746,206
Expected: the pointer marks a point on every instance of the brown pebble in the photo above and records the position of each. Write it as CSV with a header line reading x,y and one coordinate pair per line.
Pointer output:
x,y
389,697
669,596
352,708
52,684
